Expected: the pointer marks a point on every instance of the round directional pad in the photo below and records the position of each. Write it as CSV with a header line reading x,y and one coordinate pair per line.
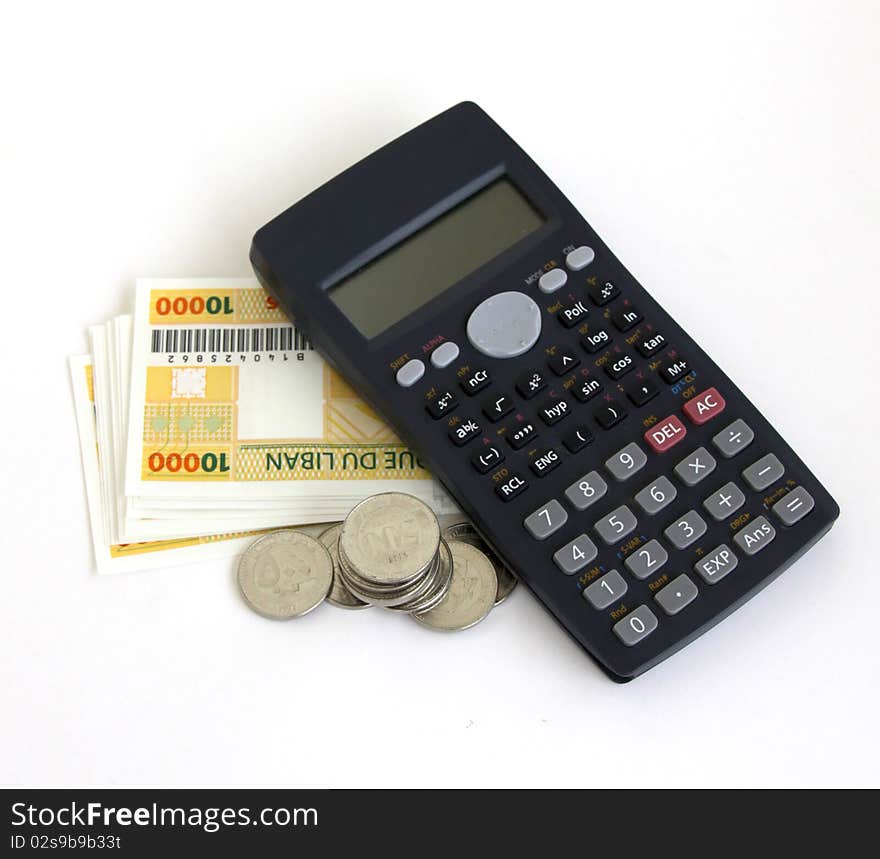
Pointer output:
x,y
505,325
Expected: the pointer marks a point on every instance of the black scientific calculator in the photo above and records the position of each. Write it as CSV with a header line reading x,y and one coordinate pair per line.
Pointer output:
x,y
597,448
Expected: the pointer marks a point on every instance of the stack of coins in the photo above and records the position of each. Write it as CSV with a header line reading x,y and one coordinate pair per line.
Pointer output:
x,y
389,552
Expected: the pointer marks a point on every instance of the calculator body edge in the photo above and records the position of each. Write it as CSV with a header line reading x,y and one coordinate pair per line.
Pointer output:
x,y
393,195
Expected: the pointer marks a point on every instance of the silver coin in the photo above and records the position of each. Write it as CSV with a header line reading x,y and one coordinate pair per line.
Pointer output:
x,y
435,585
339,594
466,532
441,585
385,596
390,539
285,574
471,593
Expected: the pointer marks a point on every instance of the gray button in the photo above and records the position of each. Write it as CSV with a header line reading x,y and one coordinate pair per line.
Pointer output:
x,y
505,325
724,502
574,556
601,593
638,624
733,438
686,530
655,496
794,506
586,491
647,560
626,461
552,280
616,525
444,354
546,520
580,258
767,470
717,564
696,467
410,373
754,536
677,594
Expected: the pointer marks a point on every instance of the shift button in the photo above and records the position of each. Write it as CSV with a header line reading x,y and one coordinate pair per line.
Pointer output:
x,y
410,373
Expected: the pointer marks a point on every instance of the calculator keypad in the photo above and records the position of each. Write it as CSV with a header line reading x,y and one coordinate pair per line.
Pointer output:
x,y
696,466
626,462
717,564
763,473
647,560
497,406
733,438
793,507
686,530
587,491
577,439
574,556
656,496
546,520
725,502
632,367
616,525
755,536
606,590
678,594
636,626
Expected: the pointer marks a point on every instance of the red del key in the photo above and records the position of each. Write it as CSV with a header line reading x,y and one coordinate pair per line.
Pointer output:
x,y
704,407
665,434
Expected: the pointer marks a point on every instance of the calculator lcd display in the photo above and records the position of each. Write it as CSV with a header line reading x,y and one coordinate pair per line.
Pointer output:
x,y
436,257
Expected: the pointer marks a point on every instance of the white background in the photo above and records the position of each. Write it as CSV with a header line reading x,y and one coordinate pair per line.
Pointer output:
x,y
727,152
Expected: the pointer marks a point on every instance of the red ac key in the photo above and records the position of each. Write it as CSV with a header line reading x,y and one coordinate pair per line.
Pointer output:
x,y
665,434
704,407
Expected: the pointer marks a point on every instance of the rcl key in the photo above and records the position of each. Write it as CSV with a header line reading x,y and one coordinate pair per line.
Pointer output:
x,y
463,432
511,487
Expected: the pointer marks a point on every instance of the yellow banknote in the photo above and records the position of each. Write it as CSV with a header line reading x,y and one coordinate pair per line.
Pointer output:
x,y
229,400
126,557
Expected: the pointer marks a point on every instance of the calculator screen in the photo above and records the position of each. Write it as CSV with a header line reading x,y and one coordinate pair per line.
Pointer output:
x,y
436,257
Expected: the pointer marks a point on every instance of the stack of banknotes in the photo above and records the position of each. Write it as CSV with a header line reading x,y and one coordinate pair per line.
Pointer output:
x,y
206,417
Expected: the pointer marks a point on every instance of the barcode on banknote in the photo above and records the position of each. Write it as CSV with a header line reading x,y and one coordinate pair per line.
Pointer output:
x,y
281,338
